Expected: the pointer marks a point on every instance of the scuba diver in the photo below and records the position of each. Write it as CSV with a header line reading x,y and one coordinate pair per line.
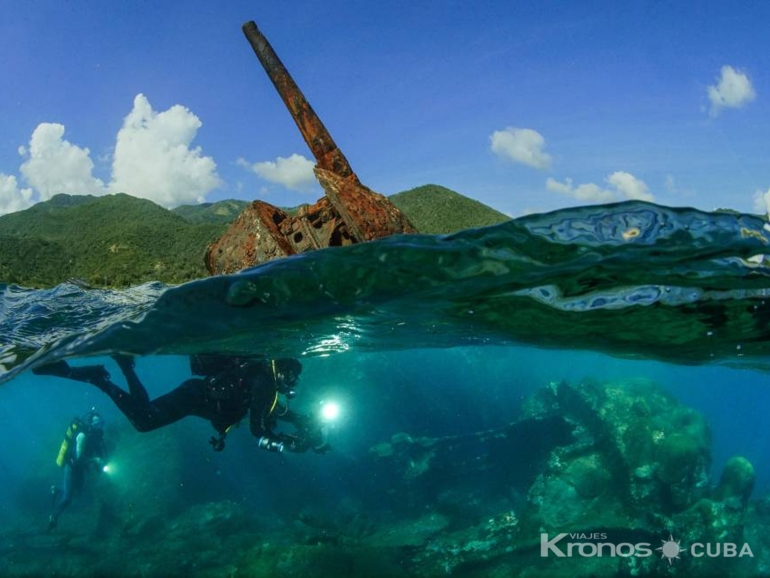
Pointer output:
x,y
81,450
229,388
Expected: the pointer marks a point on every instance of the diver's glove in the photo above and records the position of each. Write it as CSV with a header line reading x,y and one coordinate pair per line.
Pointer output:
x,y
217,443
97,465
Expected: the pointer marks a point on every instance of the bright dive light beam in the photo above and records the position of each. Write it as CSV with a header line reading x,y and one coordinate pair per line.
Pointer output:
x,y
330,411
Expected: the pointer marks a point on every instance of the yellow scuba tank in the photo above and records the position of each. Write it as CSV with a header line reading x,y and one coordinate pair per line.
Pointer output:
x,y
69,438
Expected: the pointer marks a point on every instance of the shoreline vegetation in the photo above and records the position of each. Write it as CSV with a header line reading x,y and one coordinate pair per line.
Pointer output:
x,y
119,240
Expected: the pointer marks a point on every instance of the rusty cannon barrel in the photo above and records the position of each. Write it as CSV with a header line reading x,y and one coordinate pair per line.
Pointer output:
x,y
349,213
327,154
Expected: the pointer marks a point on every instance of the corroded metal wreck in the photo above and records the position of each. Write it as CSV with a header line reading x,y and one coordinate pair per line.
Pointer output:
x,y
349,213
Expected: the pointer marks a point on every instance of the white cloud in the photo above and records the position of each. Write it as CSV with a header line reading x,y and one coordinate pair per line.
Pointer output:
x,y
670,185
762,202
12,198
587,192
521,145
153,158
593,193
629,186
564,188
625,186
733,91
55,165
295,172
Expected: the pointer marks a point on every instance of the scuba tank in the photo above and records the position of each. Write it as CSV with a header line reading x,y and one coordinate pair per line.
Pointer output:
x,y
69,438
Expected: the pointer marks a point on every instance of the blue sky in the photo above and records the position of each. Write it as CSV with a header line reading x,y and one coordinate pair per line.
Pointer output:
x,y
525,106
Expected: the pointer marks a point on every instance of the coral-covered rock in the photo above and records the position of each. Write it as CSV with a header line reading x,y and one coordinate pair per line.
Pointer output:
x,y
736,484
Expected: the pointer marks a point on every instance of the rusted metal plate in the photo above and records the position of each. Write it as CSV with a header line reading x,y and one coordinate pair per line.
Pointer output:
x,y
263,232
350,212
368,215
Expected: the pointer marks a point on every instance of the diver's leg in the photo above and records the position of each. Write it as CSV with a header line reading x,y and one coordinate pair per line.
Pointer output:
x,y
126,364
135,404
146,415
187,399
65,497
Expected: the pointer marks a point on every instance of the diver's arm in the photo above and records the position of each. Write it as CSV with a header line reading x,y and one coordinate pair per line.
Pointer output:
x,y
310,433
262,417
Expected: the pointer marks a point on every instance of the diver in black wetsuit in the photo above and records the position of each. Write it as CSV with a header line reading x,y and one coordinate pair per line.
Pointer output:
x,y
230,387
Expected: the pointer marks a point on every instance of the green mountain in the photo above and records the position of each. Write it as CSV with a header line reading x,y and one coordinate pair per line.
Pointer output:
x,y
219,212
120,240
437,210
115,240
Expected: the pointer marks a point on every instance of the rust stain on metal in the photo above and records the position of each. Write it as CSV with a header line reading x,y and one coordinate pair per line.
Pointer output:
x,y
349,213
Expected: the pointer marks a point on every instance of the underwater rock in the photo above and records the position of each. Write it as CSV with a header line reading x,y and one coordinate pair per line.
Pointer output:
x,y
588,475
635,446
461,550
736,484
613,455
203,540
346,523
214,518
710,522
414,532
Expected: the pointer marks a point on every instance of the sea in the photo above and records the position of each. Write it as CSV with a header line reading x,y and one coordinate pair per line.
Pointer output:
x,y
420,340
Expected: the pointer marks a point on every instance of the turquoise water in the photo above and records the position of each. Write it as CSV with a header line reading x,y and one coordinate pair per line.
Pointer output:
x,y
432,336
630,279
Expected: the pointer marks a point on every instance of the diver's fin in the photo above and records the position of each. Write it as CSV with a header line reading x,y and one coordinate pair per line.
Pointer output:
x,y
95,374
57,368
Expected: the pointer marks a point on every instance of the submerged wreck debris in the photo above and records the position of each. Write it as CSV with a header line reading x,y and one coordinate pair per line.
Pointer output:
x,y
625,460
349,213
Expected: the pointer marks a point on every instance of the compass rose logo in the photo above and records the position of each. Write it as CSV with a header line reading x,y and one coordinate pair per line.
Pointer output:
x,y
670,549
